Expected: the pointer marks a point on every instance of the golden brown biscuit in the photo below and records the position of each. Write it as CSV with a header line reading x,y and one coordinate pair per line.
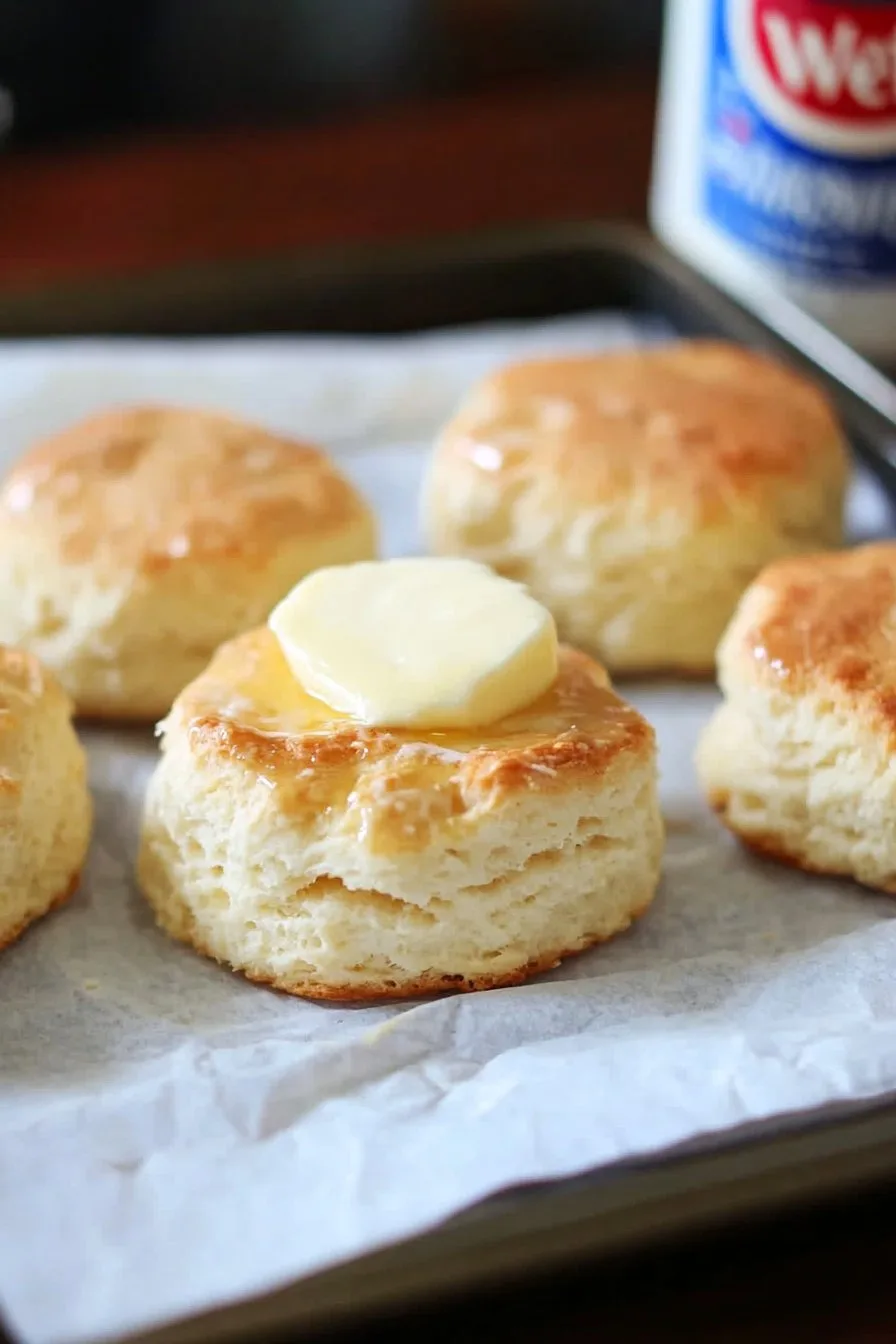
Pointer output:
x,y
800,761
134,543
45,810
637,493
338,861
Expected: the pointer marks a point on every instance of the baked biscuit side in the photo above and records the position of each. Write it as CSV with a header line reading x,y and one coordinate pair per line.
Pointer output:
x,y
800,761
340,861
45,806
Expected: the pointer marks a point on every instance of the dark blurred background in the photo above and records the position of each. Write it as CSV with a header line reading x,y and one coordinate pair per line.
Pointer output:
x,y
91,68
147,135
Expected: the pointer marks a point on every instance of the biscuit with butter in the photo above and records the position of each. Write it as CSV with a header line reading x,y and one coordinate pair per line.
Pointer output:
x,y
637,493
339,860
137,541
45,810
800,760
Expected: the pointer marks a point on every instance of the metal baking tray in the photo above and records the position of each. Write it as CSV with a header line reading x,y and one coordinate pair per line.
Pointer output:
x,y
809,1159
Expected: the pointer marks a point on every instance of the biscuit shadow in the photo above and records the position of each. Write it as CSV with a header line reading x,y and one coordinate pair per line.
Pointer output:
x,y
724,920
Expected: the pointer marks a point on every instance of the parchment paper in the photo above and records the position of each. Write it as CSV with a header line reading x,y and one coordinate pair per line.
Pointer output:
x,y
172,1138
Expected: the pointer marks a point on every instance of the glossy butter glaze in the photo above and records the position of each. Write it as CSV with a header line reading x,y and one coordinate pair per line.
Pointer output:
x,y
823,625
153,486
697,420
394,787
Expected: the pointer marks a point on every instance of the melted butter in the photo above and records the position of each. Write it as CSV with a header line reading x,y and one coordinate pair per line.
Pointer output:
x,y
417,642
318,759
250,685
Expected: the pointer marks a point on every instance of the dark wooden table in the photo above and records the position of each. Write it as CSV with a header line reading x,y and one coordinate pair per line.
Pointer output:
x,y
534,154
527,155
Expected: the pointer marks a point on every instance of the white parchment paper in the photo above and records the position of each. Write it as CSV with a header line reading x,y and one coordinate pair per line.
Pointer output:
x,y
172,1138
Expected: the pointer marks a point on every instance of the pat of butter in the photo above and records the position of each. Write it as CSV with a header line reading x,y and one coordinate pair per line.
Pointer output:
x,y
427,643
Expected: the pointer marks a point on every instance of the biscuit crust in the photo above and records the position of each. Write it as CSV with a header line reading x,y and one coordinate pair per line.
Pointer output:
x,y
800,761
149,487
11,932
702,422
339,861
135,542
45,809
825,620
638,492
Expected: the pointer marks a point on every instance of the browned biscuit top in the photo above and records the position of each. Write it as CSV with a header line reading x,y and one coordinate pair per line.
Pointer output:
x,y
823,621
151,486
248,707
704,423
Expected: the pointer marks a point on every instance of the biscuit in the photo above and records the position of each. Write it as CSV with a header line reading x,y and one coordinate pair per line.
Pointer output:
x,y
134,543
800,760
637,493
338,861
45,811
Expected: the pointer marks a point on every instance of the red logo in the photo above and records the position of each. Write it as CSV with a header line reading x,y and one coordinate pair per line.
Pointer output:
x,y
825,72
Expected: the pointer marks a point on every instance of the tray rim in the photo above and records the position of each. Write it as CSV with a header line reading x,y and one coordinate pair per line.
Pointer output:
x,y
864,394
611,1213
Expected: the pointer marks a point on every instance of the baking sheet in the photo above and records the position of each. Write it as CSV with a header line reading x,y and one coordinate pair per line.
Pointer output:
x,y
172,1138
